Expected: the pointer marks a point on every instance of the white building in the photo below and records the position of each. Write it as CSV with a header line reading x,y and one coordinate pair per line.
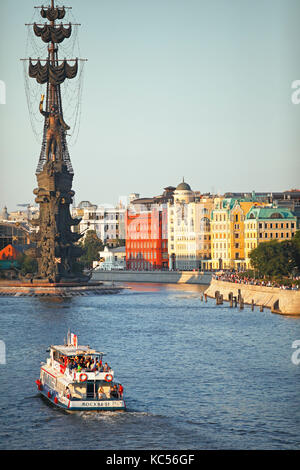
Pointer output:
x,y
111,258
106,220
189,243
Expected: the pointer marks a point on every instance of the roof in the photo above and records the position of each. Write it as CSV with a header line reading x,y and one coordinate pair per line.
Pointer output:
x,y
183,186
9,252
269,213
73,351
118,249
144,200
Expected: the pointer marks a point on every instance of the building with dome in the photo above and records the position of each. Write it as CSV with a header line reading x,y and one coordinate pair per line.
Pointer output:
x,y
189,239
183,193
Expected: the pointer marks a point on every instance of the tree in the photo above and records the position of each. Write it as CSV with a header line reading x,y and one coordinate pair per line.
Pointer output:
x,y
91,246
27,264
276,258
296,245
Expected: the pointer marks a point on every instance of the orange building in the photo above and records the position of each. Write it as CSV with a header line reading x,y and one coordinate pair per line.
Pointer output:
x,y
9,252
147,239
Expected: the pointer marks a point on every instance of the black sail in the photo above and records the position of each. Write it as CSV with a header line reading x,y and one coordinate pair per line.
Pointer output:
x,y
54,74
52,33
53,14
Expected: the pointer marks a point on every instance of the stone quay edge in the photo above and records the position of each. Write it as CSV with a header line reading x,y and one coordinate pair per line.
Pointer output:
x,y
282,301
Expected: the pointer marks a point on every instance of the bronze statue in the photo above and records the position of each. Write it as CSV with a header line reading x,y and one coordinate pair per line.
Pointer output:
x,y
56,250
55,123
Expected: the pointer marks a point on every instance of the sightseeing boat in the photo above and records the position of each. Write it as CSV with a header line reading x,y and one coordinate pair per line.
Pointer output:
x,y
75,378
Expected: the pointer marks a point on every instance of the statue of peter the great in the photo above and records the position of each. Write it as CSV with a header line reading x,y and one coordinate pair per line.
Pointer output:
x,y
55,123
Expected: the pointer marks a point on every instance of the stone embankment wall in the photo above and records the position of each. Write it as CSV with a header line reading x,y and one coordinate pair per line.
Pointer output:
x,y
38,290
171,277
278,300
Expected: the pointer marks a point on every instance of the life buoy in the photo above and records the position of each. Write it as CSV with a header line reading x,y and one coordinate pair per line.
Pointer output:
x,y
39,384
108,378
83,377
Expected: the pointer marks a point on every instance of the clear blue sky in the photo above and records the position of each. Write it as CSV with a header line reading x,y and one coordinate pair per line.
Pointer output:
x,y
194,88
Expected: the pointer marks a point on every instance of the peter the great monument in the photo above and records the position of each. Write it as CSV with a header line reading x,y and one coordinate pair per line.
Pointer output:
x,y
54,243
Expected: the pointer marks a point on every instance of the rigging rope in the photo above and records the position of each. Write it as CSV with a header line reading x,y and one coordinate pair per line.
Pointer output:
x,y
71,90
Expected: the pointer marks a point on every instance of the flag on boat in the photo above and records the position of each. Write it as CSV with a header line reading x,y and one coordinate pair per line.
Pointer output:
x,y
74,340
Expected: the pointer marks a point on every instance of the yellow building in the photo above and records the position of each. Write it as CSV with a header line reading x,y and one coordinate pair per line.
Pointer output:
x,y
237,231
203,222
264,224
220,234
228,232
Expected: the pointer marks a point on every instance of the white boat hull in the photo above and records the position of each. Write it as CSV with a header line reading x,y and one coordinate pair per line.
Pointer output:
x,y
82,405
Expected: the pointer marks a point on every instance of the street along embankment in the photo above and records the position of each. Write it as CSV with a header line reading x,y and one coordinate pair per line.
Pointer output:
x,y
170,277
281,301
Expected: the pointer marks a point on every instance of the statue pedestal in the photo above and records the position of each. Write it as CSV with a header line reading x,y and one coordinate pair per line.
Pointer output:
x,y
56,250
39,288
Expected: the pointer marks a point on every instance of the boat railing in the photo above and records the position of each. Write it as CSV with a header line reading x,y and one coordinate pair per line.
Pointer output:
x,y
83,375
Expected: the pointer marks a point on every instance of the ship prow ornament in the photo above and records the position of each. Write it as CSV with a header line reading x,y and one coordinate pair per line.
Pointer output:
x,y
56,249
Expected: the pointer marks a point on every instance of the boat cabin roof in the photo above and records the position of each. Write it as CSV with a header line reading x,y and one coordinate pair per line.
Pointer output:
x,y
70,350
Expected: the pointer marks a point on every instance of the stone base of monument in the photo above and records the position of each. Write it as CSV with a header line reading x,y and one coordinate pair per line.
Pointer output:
x,y
39,288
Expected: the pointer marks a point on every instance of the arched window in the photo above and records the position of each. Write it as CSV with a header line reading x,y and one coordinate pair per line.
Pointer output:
x,y
205,223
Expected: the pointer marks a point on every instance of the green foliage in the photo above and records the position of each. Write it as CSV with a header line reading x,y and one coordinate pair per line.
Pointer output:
x,y
91,246
77,267
277,259
27,264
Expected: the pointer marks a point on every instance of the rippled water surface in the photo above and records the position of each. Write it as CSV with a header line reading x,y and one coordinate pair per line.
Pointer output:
x,y
196,375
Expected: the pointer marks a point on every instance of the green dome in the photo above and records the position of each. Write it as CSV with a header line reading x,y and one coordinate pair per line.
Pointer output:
x,y
183,187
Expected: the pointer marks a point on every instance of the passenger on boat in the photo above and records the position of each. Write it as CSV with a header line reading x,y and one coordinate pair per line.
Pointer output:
x,y
88,362
106,368
71,364
120,391
114,392
101,394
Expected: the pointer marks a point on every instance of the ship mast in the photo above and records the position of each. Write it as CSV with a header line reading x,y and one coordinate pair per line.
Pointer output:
x,y
56,250
52,50
53,74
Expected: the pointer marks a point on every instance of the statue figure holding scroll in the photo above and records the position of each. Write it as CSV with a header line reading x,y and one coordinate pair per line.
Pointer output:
x,y
55,123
